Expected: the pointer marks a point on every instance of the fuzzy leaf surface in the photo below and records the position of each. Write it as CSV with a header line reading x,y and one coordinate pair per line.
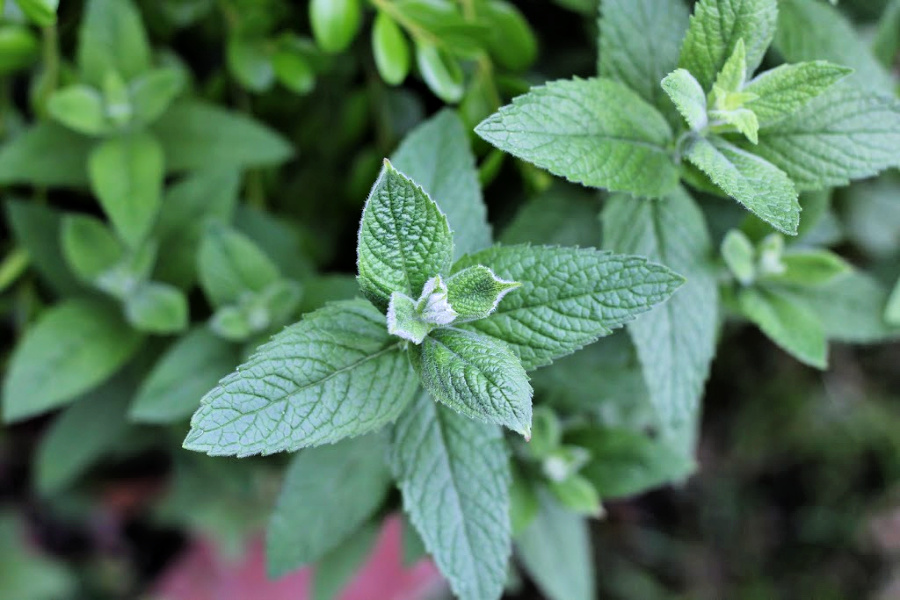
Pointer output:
x,y
475,375
592,131
759,185
404,239
783,90
454,475
676,340
335,374
569,297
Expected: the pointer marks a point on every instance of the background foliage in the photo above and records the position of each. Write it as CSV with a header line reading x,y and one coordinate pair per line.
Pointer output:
x,y
183,178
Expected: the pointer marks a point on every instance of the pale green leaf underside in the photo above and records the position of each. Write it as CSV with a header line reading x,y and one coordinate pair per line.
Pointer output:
x,y
454,476
688,97
73,347
592,131
783,90
404,239
328,492
760,186
842,135
569,297
639,43
675,341
335,374
715,28
789,324
475,375
437,156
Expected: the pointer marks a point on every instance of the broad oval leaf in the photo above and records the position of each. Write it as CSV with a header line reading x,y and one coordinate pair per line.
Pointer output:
x,y
569,297
335,374
454,476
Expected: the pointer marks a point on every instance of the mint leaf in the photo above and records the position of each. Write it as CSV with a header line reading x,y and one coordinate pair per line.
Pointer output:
x,y
412,320
788,323
454,476
475,292
328,493
760,186
38,229
556,551
640,42
230,264
832,38
688,97
475,375
73,347
335,374
112,38
81,435
564,214
196,135
127,177
89,246
715,29
188,369
153,93
625,462
157,308
810,267
591,131
45,154
783,90
79,107
675,341
832,140
569,297
438,157
404,239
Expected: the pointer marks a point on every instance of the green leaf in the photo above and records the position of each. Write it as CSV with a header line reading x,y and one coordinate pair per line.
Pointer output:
x,y
454,476
250,63
19,48
784,90
328,493
111,38
556,552
127,177
476,376
760,186
640,42
892,310
569,297
512,43
41,12
811,267
833,38
716,28
153,93
676,341
391,50
688,97
46,154
562,215
788,323
187,208
89,246
591,131
334,23
293,69
437,155
831,140
851,308
157,308
446,23
79,107
119,108
81,435
626,463
188,369
337,568
72,348
404,239
412,320
197,135
740,256
475,292
441,72
230,264
577,495
335,374
887,39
